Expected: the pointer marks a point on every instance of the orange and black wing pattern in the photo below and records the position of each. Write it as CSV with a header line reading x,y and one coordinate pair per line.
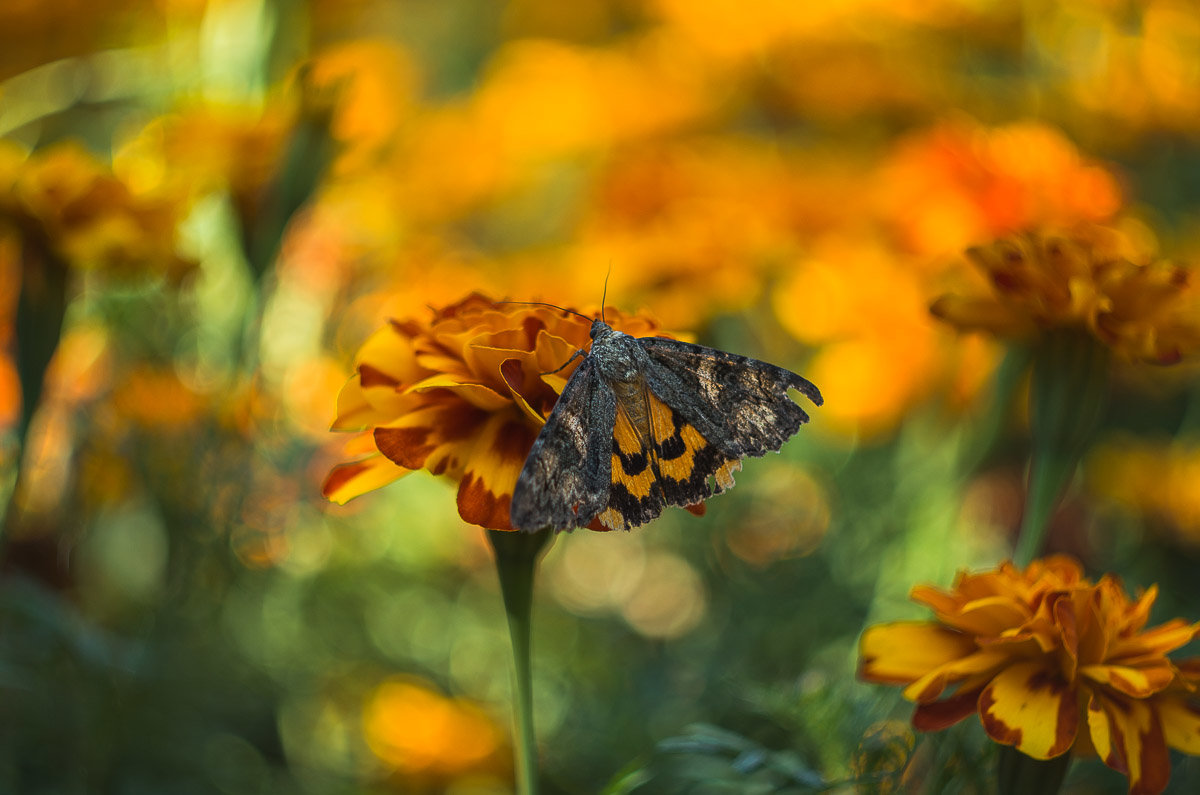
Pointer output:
x,y
649,422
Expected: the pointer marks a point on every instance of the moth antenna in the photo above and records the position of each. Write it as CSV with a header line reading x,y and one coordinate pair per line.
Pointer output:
x,y
552,306
604,294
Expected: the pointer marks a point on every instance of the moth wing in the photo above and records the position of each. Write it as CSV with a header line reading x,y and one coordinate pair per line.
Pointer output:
x,y
565,480
635,494
739,405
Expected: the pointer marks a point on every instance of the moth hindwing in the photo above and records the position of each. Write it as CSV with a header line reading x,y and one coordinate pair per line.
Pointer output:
x,y
648,422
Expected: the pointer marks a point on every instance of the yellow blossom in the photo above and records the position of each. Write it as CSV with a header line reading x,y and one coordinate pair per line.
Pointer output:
x,y
1092,278
1051,662
64,200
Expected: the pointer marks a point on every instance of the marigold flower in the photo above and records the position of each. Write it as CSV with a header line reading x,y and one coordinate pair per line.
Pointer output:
x,y
201,149
1051,662
1091,278
1155,479
959,181
463,394
423,734
64,198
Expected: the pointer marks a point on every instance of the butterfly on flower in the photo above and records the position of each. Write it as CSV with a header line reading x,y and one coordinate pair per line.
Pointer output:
x,y
646,422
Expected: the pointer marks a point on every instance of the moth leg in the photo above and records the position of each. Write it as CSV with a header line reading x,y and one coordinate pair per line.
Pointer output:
x,y
564,365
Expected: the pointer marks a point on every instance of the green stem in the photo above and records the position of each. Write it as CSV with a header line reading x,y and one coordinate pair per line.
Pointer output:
x,y
1018,774
1066,400
516,562
1048,477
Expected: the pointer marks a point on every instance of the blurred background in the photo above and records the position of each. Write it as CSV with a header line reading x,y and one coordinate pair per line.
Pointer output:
x,y
206,206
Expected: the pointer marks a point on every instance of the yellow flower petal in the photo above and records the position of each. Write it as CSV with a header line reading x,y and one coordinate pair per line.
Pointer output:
x,y
1181,723
904,651
981,314
990,616
493,464
354,413
1031,707
478,395
1135,682
431,437
933,684
1155,642
347,481
1129,738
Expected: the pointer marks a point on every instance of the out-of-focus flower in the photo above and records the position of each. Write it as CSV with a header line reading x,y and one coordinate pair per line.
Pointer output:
x,y
1092,278
373,86
1151,478
690,227
201,149
866,307
425,735
960,182
537,101
1133,67
63,199
543,99
463,394
157,399
1051,662
33,34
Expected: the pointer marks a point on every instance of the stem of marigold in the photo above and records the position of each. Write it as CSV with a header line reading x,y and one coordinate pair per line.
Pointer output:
x,y
1018,774
1066,399
1049,475
517,555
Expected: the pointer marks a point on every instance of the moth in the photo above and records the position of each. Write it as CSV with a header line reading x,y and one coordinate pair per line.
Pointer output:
x,y
646,422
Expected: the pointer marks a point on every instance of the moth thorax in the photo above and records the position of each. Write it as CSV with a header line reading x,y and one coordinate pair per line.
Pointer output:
x,y
616,357
631,397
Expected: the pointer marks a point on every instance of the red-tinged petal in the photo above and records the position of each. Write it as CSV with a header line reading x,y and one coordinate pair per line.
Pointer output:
x,y
486,360
1031,707
1068,628
1140,613
1022,643
1135,682
347,481
904,651
933,684
390,356
512,372
1158,641
1129,738
380,392
478,395
1180,718
938,715
431,436
485,494
990,616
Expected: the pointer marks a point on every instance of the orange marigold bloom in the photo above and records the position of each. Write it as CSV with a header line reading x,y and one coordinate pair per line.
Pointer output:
x,y
423,734
1051,662
463,394
1091,278
64,198
960,181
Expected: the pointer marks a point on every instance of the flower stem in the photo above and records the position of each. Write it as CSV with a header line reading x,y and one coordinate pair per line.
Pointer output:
x,y
1066,399
1019,774
1048,477
516,562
